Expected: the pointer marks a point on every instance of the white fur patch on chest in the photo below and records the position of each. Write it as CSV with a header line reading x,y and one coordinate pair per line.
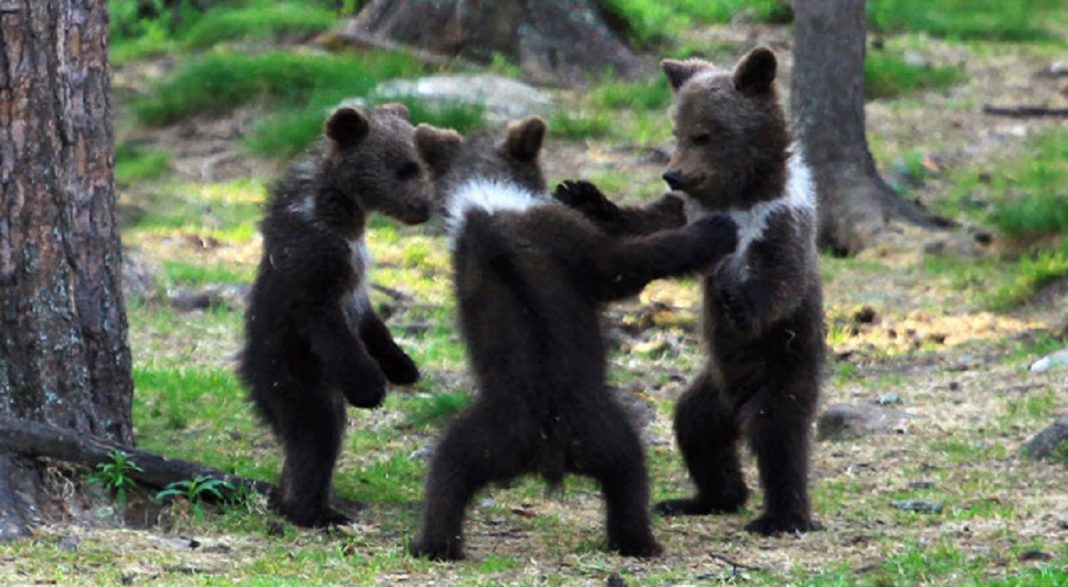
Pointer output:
x,y
489,195
358,301
798,199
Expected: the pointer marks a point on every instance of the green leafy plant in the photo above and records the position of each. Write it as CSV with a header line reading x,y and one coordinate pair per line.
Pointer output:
x,y
196,489
115,475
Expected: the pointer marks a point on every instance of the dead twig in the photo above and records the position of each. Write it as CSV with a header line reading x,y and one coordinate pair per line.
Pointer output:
x,y
1025,111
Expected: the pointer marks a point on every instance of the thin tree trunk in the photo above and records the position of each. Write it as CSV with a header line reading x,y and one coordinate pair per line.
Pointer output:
x,y
827,103
64,359
559,40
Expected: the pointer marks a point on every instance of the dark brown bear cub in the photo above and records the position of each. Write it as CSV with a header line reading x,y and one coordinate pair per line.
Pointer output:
x,y
312,340
762,305
530,277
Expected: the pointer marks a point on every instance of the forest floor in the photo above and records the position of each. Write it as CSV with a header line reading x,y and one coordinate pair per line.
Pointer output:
x,y
932,323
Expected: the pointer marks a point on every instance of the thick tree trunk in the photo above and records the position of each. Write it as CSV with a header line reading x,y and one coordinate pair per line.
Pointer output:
x,y
63,353
563,40
827,103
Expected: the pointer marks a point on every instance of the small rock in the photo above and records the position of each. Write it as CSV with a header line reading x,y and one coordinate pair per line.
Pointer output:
x,y
888,399
924,507
614,580
916,59
921,485
501,98
487,502
69,544
1034,555
231,296
1053,360
422,453
844,421
1050,444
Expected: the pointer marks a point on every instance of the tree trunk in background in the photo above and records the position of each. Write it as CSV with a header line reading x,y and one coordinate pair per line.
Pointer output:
x,y
64,359
827,103
561,40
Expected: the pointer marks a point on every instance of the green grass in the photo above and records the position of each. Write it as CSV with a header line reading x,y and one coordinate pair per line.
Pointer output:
x,y
182,273
1023,200
289,131
998,20
584,125
135,163
257,22
655,20
434,408
225,211
652,94
889,76
222,81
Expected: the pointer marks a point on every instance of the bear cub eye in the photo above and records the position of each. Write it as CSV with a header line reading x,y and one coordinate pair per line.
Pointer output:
x,y
701,139
409,170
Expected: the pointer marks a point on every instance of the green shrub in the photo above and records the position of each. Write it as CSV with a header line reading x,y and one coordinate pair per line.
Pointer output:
x,y
1016,20
223,81
260,22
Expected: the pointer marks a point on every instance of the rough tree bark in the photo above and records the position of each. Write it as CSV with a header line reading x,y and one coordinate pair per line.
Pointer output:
x,y
64,359
561,40
827,103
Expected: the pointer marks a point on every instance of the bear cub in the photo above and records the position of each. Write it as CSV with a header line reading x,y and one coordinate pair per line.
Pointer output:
x,y
312,340
762,304
530,276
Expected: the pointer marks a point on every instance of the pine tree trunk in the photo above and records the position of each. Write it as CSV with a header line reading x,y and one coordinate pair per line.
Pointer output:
x,y
827,103
64,358
559,40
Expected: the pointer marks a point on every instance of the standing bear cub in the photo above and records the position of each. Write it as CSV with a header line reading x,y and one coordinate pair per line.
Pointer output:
x,y
312,340
530,276
762,304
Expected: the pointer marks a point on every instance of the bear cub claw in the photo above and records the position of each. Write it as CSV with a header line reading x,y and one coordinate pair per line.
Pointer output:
x,y
437,550
400,370
587,199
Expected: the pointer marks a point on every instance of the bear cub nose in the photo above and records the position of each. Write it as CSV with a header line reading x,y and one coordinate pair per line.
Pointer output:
x,y
674,179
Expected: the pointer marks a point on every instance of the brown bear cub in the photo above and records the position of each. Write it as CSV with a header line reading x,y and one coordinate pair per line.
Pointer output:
x,y
312,340
763,304
530,277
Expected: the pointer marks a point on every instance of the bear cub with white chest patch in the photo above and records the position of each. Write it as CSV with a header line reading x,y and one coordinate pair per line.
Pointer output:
x,y
312,340
762,305
530,277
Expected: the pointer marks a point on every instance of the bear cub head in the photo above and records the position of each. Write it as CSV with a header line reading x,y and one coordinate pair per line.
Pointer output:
x,y
731,135
513,159
371,161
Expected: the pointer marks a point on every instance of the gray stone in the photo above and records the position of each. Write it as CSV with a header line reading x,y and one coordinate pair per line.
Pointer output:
x,y
1054,360
844,421
501,98
1050,444
231,296
924,507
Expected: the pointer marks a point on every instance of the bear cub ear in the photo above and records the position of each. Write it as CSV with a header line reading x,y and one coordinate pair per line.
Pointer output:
x,y
347,126
524,138
678,72
436,146
755,72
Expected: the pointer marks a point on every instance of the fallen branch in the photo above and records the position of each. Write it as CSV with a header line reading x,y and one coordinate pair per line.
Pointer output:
x,y
733,563
35,439
396,294
1025,111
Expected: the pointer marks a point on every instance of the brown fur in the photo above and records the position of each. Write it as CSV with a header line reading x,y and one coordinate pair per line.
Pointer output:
x,y
529,283
763,305
312,340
